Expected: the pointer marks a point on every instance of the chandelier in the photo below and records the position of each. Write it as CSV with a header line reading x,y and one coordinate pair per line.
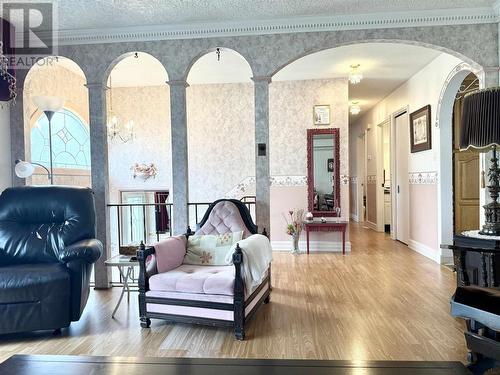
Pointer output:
x,y
117,130
5,75
355,75
355,108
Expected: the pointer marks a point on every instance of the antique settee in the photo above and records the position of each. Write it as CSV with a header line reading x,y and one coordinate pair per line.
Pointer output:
x,y
205,294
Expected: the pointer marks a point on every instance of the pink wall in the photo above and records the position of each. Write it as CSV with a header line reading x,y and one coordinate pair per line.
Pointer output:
x,y
284,198
423,214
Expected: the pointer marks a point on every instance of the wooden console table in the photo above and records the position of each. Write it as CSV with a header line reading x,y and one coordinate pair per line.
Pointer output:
x,y
329,226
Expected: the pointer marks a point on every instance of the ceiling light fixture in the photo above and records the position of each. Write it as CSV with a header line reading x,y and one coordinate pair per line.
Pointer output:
x,y
355,108
115,129
355,75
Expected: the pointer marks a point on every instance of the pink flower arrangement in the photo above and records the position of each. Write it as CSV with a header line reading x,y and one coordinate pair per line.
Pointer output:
x,y
294,221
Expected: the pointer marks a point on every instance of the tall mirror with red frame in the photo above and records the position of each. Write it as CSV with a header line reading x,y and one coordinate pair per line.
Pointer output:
x,y
323,172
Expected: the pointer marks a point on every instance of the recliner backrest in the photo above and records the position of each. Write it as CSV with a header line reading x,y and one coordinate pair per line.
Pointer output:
x,y
37,222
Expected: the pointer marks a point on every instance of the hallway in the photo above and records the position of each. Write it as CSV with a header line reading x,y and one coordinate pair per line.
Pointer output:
x,y
380,301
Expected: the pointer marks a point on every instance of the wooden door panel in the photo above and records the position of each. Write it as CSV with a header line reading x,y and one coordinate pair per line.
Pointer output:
x,y
466,191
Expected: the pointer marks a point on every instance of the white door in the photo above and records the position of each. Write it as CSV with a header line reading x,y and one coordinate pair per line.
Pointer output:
x,y
402,147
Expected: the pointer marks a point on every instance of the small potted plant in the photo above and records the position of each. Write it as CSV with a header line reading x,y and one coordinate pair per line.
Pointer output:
x,y
294,224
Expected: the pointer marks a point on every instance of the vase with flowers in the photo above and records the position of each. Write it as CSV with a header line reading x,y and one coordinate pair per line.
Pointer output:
x,y
294,222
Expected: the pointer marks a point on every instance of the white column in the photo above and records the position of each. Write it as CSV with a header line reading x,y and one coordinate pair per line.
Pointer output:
x,y
180,182
262,175
100,177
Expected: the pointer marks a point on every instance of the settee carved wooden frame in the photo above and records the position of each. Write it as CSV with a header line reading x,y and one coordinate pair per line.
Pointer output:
x,y
238,307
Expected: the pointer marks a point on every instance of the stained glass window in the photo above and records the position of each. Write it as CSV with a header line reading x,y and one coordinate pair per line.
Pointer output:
x,y
70,141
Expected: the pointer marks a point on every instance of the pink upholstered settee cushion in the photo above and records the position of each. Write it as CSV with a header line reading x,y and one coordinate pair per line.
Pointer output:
x,y
195,279
224,218
170,253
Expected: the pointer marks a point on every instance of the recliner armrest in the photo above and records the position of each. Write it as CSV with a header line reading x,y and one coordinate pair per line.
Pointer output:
x,y
88,250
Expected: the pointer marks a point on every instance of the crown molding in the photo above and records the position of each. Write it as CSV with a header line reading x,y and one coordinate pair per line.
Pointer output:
x,y
281,26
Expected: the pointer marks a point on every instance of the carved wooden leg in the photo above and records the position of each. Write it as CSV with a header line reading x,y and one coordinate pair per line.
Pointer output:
x,y
239,295
145,322
239,332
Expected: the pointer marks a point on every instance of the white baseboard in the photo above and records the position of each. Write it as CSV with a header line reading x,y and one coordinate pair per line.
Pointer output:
x,y
425,250
354,217
371,225
446,256
319,246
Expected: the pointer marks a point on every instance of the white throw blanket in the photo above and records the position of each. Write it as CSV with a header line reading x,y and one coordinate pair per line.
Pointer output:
x,y
257,255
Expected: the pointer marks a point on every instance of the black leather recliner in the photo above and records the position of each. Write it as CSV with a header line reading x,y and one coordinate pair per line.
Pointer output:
x,y
47,248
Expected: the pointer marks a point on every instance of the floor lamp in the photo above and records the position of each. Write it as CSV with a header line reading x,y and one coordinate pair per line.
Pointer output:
x,y
480,129
48,105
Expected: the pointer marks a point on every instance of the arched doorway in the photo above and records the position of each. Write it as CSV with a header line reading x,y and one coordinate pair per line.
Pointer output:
x,y
445,123
466,168
67,147
139,151
221,131
419,89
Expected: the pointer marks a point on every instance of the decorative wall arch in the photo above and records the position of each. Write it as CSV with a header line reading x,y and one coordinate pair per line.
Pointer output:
x,y
123,56
473,65
195,59
444,120
28,109
219,102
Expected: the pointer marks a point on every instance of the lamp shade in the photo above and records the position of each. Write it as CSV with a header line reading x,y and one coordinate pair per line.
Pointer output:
x,y
48,103
24,169
480,126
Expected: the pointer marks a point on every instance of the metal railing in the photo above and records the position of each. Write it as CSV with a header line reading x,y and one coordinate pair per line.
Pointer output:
x,y
144,213
132,223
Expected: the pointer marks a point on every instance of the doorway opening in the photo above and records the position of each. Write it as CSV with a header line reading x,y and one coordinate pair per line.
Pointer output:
x,y
401,211
384,176
361,173
466,168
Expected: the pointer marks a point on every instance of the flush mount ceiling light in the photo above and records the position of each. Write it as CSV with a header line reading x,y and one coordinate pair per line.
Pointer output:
x,y
355,75
355,108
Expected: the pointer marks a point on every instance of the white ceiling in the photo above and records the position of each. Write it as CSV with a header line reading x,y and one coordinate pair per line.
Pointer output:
x,y
385,66
105,14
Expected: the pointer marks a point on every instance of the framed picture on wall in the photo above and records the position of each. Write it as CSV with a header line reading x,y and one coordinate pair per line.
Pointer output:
x,y
420,129
321,114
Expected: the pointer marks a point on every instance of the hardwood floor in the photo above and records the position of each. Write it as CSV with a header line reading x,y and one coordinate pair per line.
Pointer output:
x,y
382,301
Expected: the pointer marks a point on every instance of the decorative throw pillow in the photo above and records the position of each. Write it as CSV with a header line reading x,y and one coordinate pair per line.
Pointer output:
x,y
210,250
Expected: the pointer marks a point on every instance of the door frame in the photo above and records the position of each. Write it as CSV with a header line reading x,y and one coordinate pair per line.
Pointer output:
x,y
380,171
361,183
399,112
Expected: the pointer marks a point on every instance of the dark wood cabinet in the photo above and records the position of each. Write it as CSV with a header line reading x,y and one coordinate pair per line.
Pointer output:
x,y
477,261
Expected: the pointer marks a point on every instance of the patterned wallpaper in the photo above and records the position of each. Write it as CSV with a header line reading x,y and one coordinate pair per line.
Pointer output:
x,y
220,138
220,132
291,111
149,108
